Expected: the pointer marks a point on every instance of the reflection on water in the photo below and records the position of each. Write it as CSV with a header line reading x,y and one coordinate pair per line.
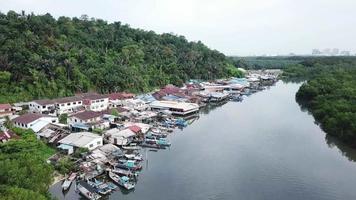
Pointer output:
x,y
345,150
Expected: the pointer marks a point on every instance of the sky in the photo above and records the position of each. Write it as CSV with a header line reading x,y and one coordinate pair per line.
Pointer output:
x,y
234,27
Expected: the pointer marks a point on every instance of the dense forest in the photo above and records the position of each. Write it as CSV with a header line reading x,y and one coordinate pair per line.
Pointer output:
x,y
24,173
331,98
41,56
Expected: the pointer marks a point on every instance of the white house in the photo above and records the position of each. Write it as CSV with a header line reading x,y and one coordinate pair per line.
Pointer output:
x,y
44,106
83,140
29,120
56,106
68,105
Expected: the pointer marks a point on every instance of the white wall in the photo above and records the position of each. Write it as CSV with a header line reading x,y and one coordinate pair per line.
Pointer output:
x,y
68,107
99,105
95,143
37,108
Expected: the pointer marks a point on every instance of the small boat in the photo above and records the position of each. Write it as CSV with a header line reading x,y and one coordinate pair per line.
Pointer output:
x,y
87,191
134,157
128,165
152,145
111,185
66,184
181,122
131,147
103,189
123,181
163,142
123,172
158,135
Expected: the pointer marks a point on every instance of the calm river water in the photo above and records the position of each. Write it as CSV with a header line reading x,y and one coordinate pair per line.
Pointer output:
x,y
265,147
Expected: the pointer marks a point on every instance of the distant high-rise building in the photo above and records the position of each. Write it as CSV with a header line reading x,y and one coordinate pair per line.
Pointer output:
x,y
327,51
316,52
335,52
345,53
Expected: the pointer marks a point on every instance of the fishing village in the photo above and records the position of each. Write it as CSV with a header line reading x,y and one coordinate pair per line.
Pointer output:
x,y
104,134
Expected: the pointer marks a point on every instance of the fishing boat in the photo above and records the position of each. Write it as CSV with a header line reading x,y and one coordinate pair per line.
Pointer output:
x,y
137,157
112,186
100,187
123,172
163,142
66,184
152,145
131,147
87,191
123,181
128,165
181,122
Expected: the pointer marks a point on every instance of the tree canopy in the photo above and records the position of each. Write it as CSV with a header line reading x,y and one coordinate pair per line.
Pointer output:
x,y
41,56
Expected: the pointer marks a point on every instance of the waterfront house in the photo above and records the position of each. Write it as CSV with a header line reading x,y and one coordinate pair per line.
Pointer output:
x,y
177,108
32,120
119,137
5,110
81,140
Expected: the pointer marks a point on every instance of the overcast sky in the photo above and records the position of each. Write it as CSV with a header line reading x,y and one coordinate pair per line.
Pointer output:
x,y
234,27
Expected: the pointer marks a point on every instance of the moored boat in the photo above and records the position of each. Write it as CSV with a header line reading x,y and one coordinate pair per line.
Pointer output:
x,y
87,191
123,172
66,184
123,181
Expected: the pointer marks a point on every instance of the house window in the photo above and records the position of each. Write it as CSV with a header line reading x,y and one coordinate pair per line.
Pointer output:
x,y
79,102
43,106
38,106
99,143
68,104
74,103
62,104
75,120
102,100
30,105
97,101
91,145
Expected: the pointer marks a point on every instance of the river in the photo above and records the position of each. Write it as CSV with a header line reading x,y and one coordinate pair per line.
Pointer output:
x,y
265,147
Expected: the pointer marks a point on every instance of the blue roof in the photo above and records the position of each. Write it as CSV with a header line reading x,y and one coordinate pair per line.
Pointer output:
x,y
80,126
65,146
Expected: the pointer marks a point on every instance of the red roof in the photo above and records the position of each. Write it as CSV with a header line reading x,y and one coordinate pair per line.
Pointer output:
x,y
28,118
91,96
5,106
135,129
88,114
120,95
44,102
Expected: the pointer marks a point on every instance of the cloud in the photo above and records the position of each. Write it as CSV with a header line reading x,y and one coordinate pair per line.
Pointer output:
x,y
235,27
